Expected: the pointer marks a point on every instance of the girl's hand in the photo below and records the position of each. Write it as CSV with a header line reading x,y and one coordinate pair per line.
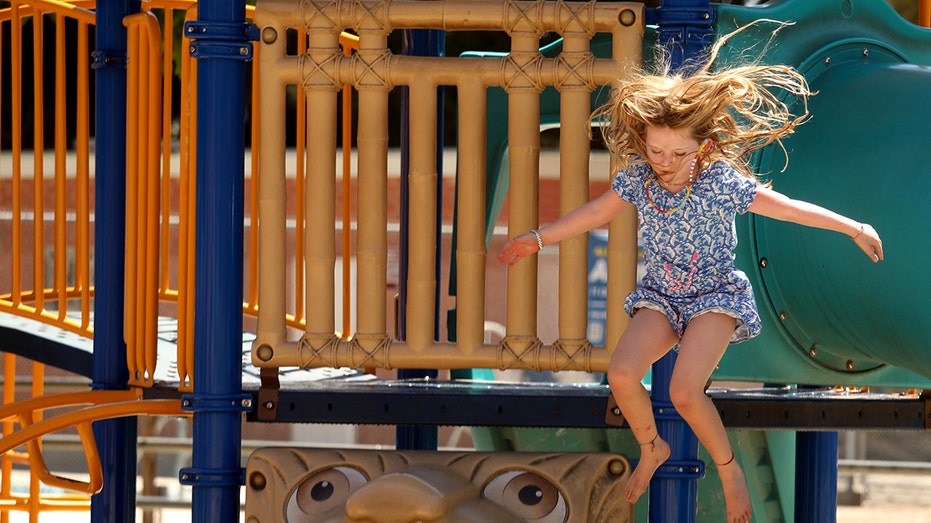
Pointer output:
x,y
868,241
518,247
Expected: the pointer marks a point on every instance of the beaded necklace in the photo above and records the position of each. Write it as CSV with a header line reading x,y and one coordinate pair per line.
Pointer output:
x,y
688,185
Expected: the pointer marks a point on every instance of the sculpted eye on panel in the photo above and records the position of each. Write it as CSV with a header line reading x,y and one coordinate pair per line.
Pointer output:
x,y
295,485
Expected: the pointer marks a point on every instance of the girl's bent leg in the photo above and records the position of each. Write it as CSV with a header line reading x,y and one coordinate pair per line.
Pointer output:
x,y
647,338
703,345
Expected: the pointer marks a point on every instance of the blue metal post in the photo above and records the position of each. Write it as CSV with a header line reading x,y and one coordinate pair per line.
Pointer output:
x,y
419,42
222,46
816,477
116,439
684,29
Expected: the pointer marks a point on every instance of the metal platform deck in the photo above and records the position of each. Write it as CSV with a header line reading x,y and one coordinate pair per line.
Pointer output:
x,y
347,396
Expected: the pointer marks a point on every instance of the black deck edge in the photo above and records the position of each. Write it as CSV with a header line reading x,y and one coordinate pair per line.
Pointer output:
x,y
46,351
474,403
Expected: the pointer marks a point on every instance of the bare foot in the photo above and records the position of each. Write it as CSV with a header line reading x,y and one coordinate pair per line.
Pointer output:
x,y
736,494
652,455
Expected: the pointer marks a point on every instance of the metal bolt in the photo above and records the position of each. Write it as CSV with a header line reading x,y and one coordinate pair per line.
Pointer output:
x,y
243,51
813,352
269,405
850,364
193,49
185,403
866,52
763,263
247,403
827,61
782,316
616,411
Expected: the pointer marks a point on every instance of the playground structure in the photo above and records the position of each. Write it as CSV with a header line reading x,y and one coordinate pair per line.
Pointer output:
x,y
808,338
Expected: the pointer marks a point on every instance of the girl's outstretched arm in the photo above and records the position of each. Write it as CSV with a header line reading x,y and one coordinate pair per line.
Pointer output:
x,y
584,218
775,205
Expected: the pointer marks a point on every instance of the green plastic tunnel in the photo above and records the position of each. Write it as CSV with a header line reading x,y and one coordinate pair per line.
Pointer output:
x,y
832,316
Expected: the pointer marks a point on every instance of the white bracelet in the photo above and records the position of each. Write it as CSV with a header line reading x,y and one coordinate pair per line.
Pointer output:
x,y
539,238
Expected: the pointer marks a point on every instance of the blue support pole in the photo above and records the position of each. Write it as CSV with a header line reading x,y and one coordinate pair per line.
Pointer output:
x,y
116,439
685,30
419,42
221,46
816,477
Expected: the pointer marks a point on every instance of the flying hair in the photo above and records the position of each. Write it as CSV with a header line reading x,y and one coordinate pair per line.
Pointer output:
x,y
739,108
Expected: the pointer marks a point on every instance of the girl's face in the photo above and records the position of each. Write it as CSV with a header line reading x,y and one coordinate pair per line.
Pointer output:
x,y
670,151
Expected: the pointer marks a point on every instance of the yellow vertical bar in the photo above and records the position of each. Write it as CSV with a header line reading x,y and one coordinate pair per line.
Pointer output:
x,y
186,212
524,169
151,168
61,173
133,129
372,237
185,219
82,199
574,151
471,251
6,463
300,181
35,495
167,41
626,51
271,325
141,209
16,110
253,261
319,195
422,183
347,202
38,147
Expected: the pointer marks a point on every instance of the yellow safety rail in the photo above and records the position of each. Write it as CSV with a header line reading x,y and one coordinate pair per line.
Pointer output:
x,y
321,68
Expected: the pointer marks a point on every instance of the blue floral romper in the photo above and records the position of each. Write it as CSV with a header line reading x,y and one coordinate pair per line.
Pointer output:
x,y
689,253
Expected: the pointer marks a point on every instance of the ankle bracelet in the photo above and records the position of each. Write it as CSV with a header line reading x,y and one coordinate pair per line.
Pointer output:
x,y
728,462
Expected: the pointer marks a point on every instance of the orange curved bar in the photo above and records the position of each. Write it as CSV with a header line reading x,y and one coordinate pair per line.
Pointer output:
x,y
92,458
30,433
100,412
92,397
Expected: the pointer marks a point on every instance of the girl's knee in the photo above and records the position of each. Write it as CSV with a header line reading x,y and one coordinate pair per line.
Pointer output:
x,y
684,396
621,377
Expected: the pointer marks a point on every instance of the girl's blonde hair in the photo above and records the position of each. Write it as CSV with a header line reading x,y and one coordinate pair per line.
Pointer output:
x,y
738,108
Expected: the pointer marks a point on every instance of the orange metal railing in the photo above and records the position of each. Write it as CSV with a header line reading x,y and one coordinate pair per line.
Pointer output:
x,y
47,194
46,216
45,239
49,205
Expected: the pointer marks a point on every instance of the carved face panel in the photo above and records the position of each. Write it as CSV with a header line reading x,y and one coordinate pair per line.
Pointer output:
x,y
296,485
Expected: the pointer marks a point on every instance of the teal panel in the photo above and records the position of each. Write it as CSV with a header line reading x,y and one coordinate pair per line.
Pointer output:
x,y
830,315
